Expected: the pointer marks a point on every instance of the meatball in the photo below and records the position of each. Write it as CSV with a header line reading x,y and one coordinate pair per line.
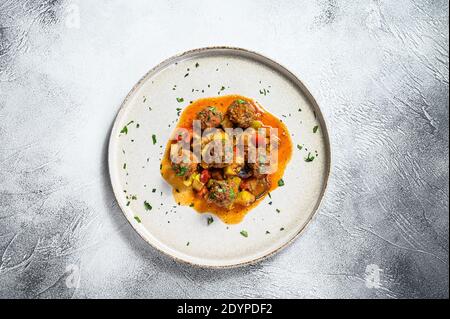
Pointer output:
x,y
209,117
187,166
221,193
242,113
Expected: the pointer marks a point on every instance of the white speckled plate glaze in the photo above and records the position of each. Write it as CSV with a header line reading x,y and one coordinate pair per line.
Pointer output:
x,y
151,109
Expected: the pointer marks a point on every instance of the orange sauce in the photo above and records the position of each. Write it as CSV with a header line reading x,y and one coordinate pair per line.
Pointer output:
x,y
184,195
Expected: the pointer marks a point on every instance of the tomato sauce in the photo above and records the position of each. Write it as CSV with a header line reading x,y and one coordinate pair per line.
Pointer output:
x,y
185,195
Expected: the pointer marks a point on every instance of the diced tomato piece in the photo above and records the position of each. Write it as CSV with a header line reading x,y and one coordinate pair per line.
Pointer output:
x,y
245,185
205,176
202,192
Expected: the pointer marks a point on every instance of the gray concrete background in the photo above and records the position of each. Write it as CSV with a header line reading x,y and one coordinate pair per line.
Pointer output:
x,y
379,70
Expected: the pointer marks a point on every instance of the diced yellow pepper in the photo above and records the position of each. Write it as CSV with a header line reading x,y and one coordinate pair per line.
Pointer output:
x,y
256,124
245,198
197,185
236,181
229,170
188,181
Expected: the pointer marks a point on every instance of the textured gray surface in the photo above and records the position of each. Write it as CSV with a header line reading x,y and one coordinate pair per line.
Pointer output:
x,y
379,70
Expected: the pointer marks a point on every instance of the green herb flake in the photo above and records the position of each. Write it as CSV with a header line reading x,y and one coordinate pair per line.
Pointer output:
x,y
147,205
124,165
281,182
137,219
244,233
267,232
210,220
180,99
182,171
309,158
128,203
192,205
282,228
124,130
299,147
241,101
154,139
188,243
315,128
154,190
278,211
197,65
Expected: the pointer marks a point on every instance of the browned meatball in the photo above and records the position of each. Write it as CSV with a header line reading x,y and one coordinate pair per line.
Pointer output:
x,y
221,193
187,167
210,117
242,113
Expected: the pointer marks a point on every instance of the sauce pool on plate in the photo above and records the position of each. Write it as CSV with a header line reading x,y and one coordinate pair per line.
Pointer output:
x,y
185,189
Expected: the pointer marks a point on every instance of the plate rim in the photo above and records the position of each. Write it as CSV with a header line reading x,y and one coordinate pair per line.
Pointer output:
x,y
293,78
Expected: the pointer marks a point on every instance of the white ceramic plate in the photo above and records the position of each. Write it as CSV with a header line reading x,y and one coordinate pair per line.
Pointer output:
x,y
134,160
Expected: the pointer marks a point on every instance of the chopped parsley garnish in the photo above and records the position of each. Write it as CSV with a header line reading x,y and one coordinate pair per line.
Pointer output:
x,y
196,65
154,190
124,165
180,99
281,182
128,203
267,232
282,228
299,147
154,139
192,205
147,205
137,125
278,211
125,128
222,88
210,220
315,128
244,233
309,158
182,171
186,74
187,244
137,219
241,101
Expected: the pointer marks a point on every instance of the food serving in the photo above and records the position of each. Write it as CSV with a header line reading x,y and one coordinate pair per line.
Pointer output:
x,y
225,156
